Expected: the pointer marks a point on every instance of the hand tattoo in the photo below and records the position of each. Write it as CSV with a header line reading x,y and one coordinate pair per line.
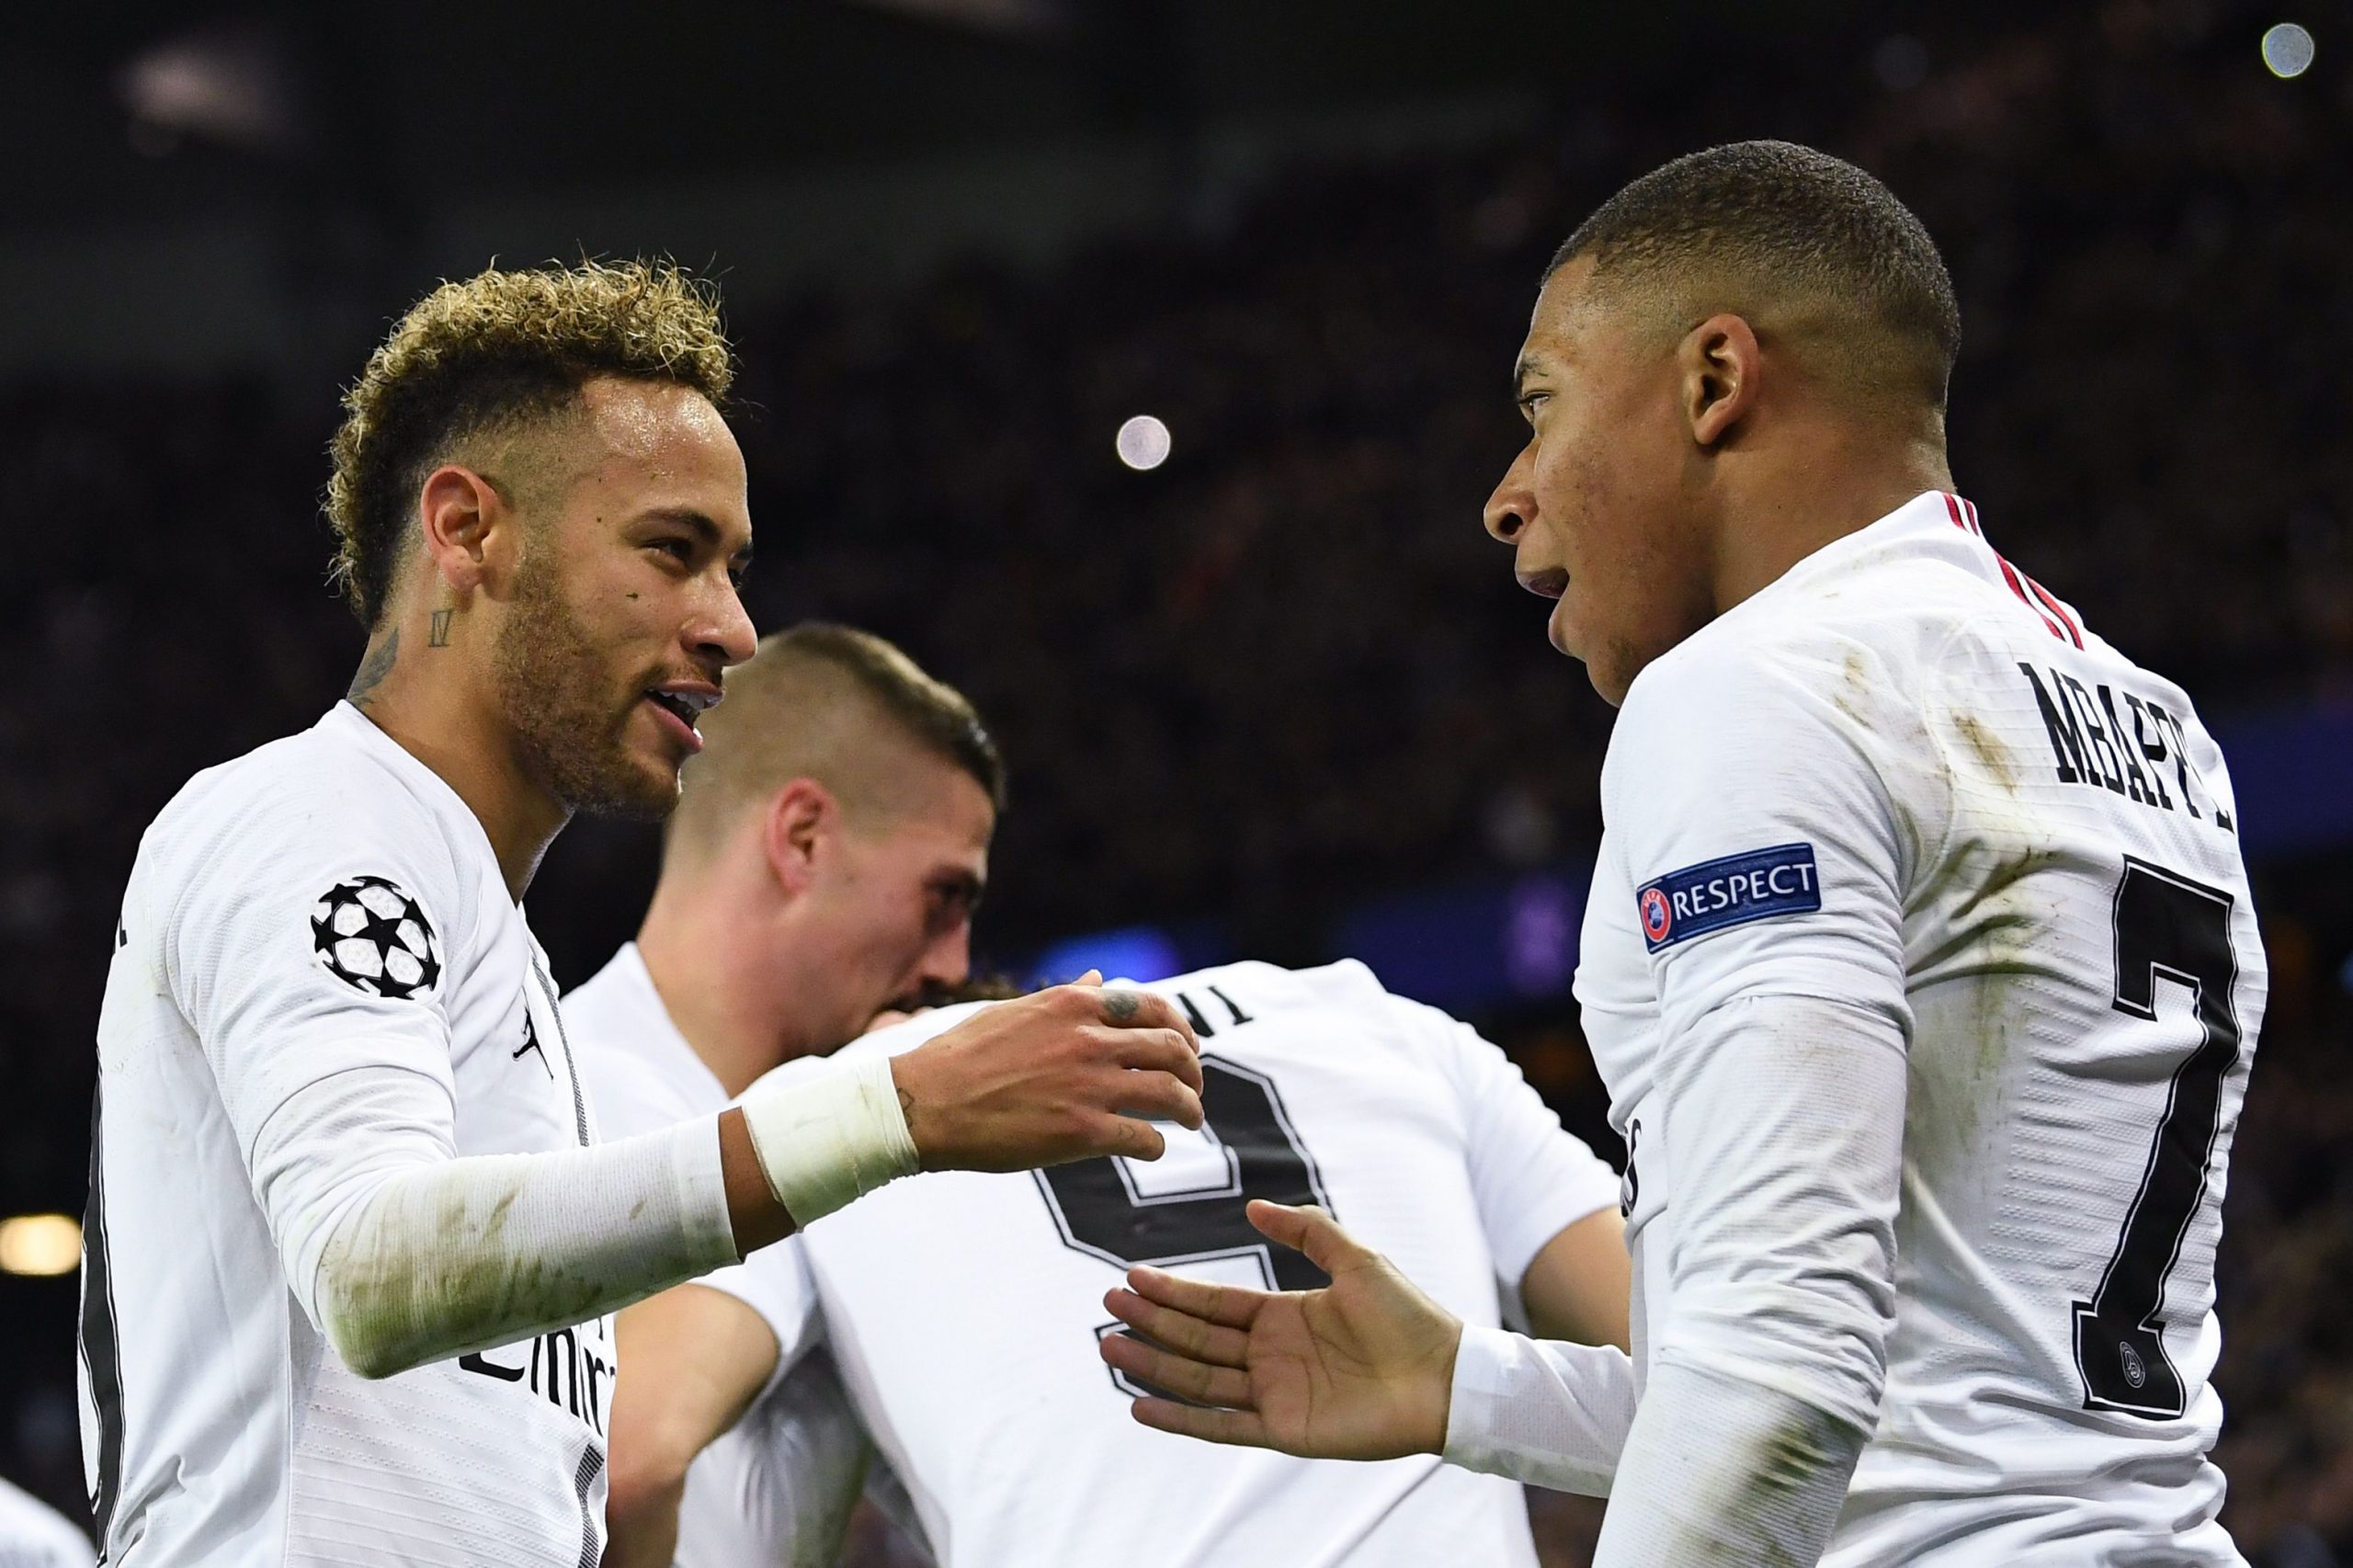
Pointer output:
x,y
374,668
1121,1006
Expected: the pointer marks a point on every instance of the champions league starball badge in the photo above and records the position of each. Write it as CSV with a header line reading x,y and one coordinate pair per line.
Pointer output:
x,y
369,934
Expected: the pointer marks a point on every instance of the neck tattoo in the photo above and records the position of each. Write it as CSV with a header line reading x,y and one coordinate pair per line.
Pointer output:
x,y
374,668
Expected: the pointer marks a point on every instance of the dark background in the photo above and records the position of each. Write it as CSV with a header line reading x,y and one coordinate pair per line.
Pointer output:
x,y
1281,681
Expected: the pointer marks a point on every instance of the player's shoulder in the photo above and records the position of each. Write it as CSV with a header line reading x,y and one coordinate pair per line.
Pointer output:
x,y
1828,642
614,1006
324,805
1869,638
1823,698
1221,998
1274,987
1763,692
316,782
891,1039
630,1092
1343,1000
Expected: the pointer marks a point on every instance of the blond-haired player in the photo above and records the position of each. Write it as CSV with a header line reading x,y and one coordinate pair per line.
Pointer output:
x,y
352,1240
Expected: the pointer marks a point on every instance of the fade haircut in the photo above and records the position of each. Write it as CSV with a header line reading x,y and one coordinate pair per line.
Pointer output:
x,y
478,361
836,705
1755,225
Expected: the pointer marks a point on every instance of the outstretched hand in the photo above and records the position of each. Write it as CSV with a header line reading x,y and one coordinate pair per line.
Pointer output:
x,y
1360,1370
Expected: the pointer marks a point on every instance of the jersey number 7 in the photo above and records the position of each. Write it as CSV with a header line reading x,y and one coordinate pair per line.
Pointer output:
x,y
2169,925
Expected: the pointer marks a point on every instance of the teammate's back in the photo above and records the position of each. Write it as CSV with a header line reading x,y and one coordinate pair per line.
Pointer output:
x,y
2083,977
964,1309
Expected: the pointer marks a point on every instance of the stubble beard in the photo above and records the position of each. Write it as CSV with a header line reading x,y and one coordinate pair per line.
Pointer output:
x,y
554,690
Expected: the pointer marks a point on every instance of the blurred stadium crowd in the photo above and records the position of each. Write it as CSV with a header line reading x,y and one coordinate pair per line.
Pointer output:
x,y
1286,670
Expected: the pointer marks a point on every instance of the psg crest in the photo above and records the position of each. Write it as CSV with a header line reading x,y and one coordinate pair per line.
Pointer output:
x,y
373,936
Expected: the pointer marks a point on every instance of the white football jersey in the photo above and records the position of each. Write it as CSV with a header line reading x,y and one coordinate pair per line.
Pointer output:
x,y
963,1307
778,1488
325,905
34,1535
1905,777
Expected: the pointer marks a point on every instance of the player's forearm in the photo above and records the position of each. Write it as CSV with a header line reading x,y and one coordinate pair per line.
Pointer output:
x,y
1550,1414
1719,1473
461,1255
429,1257
1579,1287
1785,1124
1786,1120
695,1358
641,1514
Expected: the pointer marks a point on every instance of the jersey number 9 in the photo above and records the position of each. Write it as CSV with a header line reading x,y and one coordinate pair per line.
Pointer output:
x,y
1099,1210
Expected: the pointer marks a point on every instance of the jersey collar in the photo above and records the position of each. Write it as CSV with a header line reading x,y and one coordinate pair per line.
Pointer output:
x,y
1936,525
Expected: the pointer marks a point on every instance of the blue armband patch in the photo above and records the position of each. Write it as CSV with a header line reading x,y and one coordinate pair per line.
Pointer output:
x,y
1731,892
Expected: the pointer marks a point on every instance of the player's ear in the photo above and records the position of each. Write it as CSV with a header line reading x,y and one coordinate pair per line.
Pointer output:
x,y
462,515
1722,367
803,820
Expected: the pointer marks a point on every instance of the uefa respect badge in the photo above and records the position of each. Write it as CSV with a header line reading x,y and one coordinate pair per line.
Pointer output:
x,y
1731,891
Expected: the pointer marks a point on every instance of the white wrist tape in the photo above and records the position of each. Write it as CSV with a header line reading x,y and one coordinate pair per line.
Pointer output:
x,y
825,1141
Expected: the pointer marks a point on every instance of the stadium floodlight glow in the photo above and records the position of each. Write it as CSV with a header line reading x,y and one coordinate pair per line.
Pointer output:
x,y
2288,50
40,1244
1143,442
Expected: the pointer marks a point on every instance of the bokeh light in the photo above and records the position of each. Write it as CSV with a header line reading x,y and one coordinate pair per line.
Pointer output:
x,y
41,1243
2288,50
1143,442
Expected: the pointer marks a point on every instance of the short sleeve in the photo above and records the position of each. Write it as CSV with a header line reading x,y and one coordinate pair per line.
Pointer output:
x,y
1530,1177
1771,798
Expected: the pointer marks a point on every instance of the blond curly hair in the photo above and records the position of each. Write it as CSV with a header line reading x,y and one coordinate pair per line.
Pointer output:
x,y
485,355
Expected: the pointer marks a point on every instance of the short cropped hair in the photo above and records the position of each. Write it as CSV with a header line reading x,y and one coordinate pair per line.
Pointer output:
x,y
833,704
484,356
1781,221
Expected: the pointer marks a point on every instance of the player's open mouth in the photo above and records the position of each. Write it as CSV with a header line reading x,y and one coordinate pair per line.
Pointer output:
x,y
681,707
